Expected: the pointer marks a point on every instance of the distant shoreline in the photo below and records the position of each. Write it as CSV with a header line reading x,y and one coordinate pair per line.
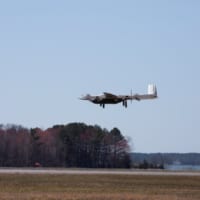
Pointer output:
x,y
192,159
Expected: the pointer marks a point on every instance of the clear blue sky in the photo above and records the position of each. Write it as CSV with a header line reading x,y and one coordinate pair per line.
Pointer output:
x,y
52,52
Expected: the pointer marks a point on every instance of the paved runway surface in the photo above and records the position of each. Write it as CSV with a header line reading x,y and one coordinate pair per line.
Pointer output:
x,y
96,171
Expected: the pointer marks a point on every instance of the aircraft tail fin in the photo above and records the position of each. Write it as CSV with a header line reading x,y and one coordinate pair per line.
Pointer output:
x,y
152,90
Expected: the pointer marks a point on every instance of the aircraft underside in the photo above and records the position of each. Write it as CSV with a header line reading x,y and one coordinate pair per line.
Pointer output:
x,y
111,101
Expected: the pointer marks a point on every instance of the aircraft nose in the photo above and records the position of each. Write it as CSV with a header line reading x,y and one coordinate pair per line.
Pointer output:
x,y
83,98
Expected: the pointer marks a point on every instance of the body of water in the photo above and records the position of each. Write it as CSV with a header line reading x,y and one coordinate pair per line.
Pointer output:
x,y
177,167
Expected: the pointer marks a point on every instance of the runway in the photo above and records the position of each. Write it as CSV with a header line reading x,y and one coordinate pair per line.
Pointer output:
x,y
97,172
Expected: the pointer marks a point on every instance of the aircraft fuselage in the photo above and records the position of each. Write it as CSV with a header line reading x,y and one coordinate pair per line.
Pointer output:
x,y
108,98
107,101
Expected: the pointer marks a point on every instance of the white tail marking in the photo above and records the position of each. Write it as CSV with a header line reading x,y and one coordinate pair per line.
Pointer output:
x,y
152,89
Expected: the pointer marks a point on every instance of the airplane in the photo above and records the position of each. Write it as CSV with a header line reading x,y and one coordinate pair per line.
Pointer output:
x,y
108,98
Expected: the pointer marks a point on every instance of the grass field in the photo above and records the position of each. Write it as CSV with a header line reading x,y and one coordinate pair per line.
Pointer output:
x,y
99,187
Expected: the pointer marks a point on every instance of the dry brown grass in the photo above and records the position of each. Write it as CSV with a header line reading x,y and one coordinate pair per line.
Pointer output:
x,y
98,187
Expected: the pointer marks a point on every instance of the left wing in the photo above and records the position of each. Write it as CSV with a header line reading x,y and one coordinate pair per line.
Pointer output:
x,y
110,96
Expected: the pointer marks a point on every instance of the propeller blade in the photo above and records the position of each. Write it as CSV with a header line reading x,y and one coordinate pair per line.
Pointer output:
x,y
131,95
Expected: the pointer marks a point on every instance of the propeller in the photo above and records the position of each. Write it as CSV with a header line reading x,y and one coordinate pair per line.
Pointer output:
x,y
131,95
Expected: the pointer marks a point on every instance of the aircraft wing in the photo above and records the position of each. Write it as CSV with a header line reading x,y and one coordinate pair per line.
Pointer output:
x,y
109,95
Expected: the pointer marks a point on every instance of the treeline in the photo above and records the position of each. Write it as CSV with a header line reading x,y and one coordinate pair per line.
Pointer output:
x,y
71,145
147,165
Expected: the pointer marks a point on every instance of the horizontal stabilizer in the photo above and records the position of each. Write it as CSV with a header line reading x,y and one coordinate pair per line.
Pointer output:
x,y
151,94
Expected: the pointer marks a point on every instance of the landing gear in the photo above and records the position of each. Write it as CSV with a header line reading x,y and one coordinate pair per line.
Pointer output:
x,y
102,105
125,104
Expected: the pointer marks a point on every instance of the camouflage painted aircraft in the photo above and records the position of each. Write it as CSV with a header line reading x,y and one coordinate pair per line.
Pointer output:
x,y
108,98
